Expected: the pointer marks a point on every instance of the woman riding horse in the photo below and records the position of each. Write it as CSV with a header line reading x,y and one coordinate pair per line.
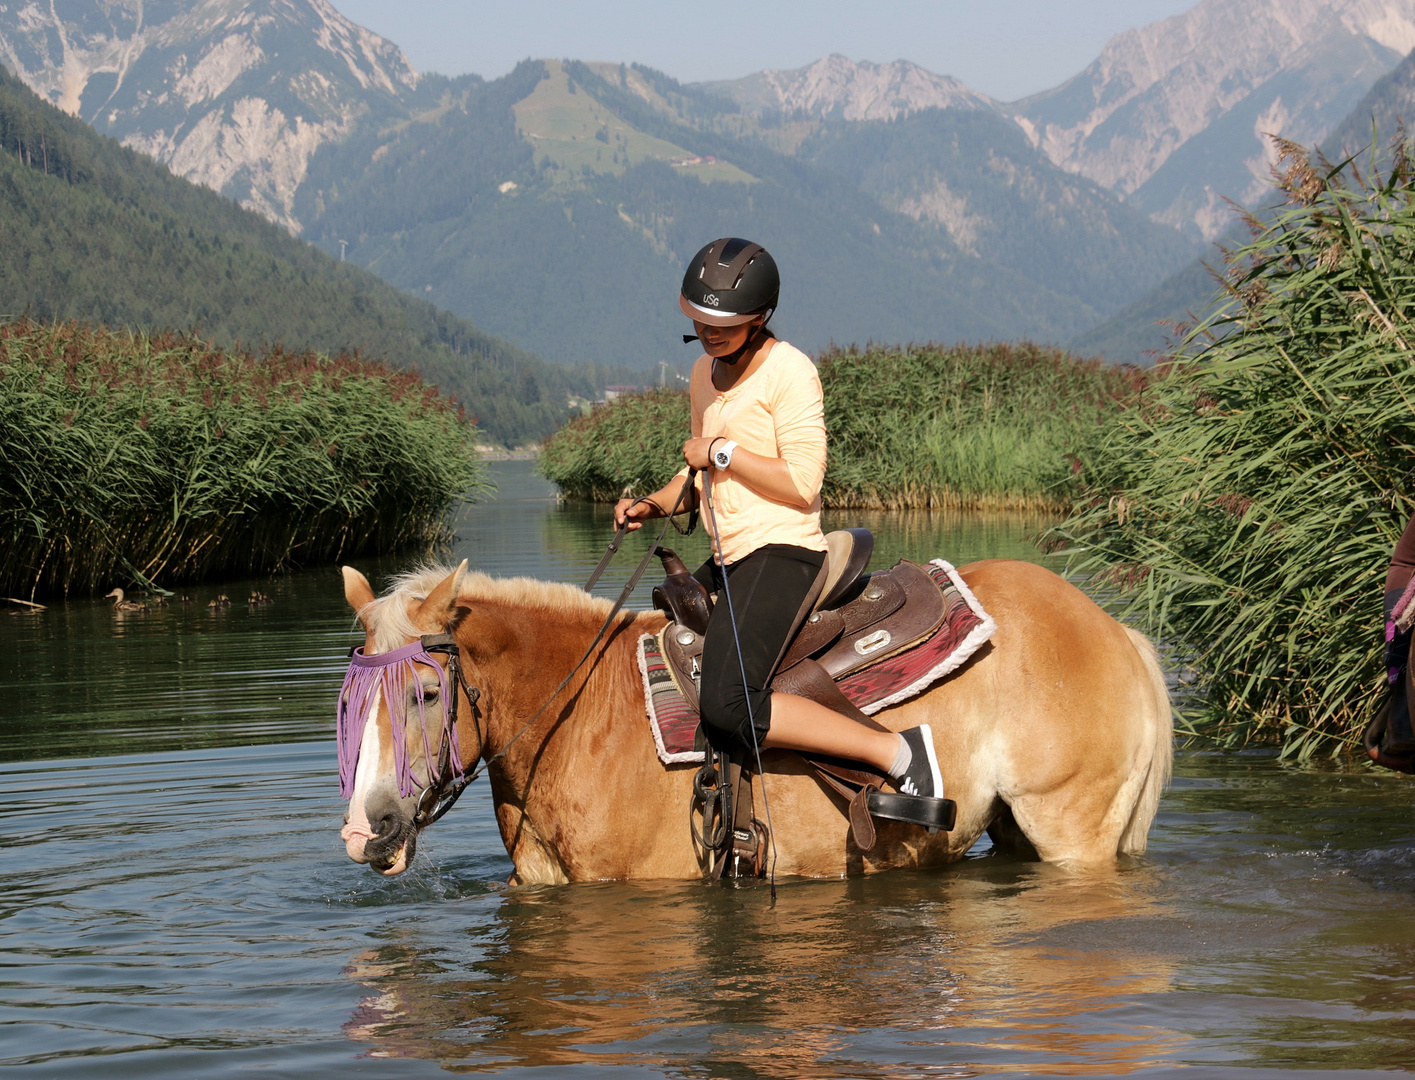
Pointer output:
x,y
758,434
1059,730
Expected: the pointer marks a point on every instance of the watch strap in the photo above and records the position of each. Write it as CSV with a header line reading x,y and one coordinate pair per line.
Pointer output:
x,y
722,455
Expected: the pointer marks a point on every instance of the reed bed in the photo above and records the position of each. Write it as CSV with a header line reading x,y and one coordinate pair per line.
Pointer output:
x,y
965,427
631,445
995,426
156,459
1248,510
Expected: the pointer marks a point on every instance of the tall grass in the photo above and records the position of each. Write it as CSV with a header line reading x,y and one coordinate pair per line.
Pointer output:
x,y
997,426
1248,510
131,458
983,426
633,444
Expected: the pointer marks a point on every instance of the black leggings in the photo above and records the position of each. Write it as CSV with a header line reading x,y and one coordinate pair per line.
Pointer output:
x,y
768,588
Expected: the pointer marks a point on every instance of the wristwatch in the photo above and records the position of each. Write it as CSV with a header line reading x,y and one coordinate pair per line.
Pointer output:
x,y
722,456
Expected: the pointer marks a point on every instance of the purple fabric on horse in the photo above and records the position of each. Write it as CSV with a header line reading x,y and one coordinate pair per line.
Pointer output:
x,y
390,673
1403,614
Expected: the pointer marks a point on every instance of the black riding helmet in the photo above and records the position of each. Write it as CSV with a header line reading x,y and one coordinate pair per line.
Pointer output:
x,y
729,282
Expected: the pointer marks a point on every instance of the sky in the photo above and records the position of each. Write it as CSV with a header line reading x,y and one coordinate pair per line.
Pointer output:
x,y
1006,49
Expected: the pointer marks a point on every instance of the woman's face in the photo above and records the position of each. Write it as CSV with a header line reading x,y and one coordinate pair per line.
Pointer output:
x,y
724,340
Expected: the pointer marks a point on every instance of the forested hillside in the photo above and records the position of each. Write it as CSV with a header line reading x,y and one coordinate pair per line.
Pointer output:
x,y
556,207
93,231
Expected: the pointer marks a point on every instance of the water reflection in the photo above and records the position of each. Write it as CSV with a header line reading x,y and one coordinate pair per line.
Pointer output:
x,y
1269,928
862,978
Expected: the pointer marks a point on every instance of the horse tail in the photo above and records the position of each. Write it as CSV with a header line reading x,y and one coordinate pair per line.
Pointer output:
x,y
1133,839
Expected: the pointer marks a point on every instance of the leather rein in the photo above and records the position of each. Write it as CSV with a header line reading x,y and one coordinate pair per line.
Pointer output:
x,y
446,787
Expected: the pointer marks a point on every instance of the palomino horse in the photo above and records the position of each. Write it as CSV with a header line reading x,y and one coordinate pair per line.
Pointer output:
x,y
1055,737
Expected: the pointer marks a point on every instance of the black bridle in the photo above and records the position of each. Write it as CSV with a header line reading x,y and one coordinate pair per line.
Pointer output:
x,y
445,787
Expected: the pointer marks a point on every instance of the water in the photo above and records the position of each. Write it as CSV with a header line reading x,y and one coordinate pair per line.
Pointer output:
x,y
176,902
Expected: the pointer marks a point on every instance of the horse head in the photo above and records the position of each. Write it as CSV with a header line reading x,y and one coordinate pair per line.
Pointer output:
x,y
402,728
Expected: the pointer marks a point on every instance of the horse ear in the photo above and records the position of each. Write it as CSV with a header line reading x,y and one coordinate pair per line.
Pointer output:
x,y
357,591
439,610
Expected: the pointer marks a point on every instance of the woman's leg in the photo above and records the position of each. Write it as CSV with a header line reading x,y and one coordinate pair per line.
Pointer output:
x,y
1399,739
799,723
768,588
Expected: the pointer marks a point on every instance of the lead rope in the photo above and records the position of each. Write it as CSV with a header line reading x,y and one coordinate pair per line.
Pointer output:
x,y
742,667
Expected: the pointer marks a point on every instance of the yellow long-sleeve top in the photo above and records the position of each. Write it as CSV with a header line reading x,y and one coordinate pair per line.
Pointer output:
x,y
777,412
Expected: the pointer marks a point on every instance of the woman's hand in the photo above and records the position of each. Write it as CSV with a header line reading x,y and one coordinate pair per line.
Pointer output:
x,y
634,511
698,452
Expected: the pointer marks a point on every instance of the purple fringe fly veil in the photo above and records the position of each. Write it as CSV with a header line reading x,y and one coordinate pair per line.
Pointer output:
x,y
391,673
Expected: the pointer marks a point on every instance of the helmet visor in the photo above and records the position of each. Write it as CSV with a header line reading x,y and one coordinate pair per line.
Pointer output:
x,y
713,317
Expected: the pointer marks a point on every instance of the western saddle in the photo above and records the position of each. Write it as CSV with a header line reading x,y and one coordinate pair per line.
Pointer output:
x,y
849,621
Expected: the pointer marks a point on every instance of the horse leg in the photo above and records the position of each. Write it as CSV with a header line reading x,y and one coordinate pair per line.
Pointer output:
x,y
1084,819
1083,744
1007,836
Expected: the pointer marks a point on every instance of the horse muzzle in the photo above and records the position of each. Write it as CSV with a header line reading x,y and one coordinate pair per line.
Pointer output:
x,y
387,840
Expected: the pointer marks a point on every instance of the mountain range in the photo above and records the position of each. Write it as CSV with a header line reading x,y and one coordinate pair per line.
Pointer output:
x,y
232,94
1172,116
92,230
555,206
1175,116
1144,328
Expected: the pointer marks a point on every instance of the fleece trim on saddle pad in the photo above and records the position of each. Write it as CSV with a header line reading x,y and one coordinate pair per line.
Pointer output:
x,y
966,626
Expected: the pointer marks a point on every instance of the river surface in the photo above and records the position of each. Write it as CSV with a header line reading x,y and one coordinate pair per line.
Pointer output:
x,y
176,901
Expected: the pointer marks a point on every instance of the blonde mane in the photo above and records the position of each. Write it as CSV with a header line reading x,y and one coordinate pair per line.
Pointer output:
x,y
389,612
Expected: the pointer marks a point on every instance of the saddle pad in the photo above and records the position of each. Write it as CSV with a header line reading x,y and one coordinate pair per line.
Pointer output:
x,y
674,722
966,626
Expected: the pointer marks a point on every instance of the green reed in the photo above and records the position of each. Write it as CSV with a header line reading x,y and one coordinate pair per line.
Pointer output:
x,y
970,426
632,445
157,459
1248,509
996,426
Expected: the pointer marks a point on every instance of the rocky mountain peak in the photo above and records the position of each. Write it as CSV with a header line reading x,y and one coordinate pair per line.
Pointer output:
x,y
1175,114
235,94
840,88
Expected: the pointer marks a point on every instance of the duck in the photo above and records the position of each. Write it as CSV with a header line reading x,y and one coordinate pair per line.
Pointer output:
x,y
184,599
220,602
119,604
159,601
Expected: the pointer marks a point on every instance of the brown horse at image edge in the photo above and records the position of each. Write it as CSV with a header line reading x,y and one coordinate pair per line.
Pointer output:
x,y
1055,737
